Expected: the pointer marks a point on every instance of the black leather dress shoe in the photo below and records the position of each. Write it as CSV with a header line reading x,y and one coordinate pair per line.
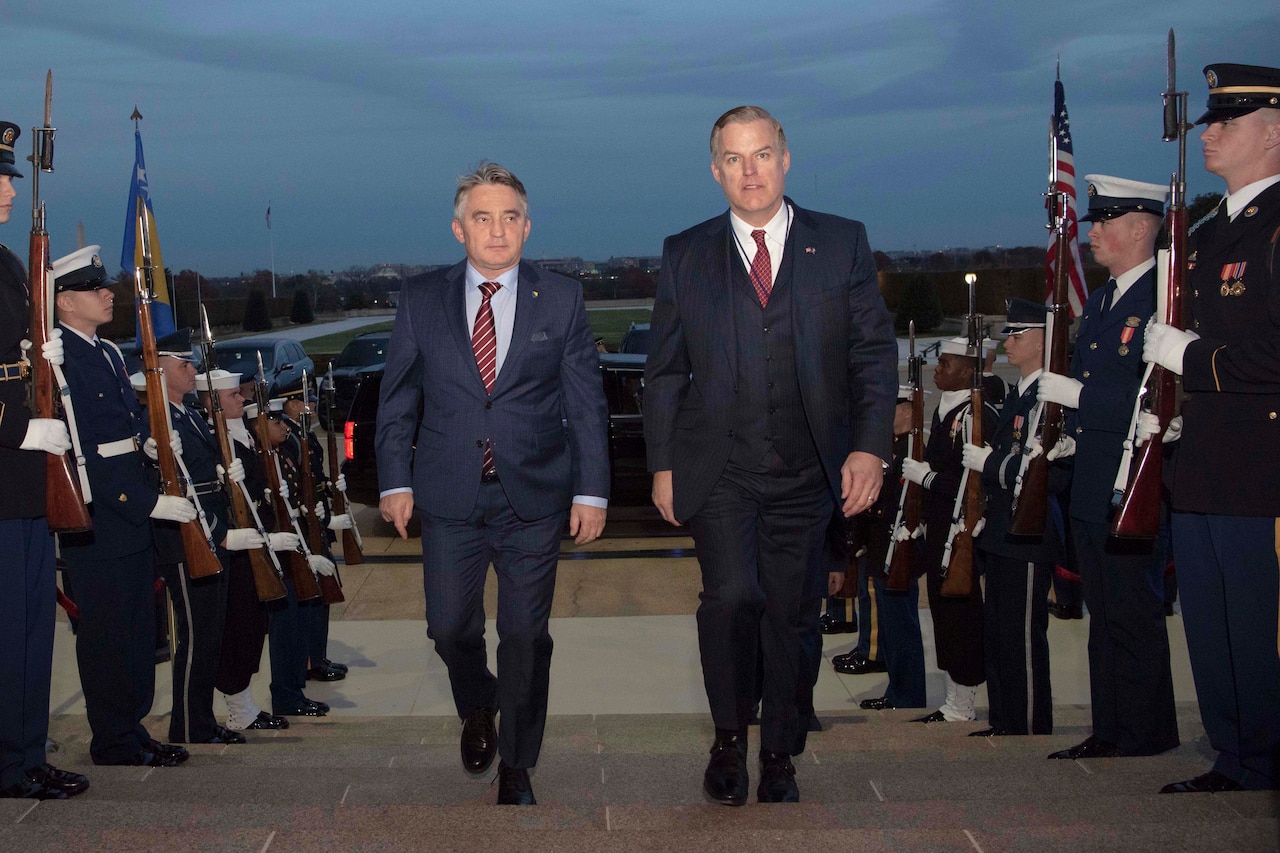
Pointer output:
x,y
479,741
145,758
853,664
224,735
725,779
1067,611
935,717
169,750
777,779
323,706
829,624
265,722
1212,782
29,790
514,788
325,673
340,667
879,703
306,709
1091,747
59,780
991,732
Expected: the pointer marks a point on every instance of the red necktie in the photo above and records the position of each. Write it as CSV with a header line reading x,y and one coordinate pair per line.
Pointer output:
x,y
761,269
484,342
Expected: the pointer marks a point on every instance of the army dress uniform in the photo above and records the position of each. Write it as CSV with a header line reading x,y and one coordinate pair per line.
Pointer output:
x,y
1226,497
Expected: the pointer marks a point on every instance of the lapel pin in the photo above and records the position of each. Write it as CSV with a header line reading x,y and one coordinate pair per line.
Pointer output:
x,y
810,250
535,294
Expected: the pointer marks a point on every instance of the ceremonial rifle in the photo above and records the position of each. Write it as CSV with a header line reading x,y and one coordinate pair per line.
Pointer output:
x,y
66,485
906,525
304,580
267,576
1031,492
958,557
330,585
1136,497
352,547
197,545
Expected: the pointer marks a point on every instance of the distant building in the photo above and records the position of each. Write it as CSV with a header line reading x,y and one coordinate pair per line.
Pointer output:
x,y
565,266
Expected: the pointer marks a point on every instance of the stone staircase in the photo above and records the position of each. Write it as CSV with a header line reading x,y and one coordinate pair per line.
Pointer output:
x,y
870,781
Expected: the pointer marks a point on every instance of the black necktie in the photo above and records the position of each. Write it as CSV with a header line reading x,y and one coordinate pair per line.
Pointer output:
x,y
1108,295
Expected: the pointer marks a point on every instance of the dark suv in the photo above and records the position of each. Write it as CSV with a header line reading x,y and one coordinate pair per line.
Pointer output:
x,y
623,378
363,354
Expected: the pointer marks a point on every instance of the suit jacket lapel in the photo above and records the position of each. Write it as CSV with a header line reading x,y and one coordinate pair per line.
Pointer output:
x,y
455,305
528,309
719,295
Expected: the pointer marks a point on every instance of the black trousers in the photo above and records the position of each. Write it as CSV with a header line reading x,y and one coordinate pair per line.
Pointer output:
x,y
455,561
115,649
755,537
245,630
288,649
199,614
957,630
1130,679
1016,635
27,605
900,644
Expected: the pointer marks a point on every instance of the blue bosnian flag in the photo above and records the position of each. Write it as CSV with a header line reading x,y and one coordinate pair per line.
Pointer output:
x,y
131,254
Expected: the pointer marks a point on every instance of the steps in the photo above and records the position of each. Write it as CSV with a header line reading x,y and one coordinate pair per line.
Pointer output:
x,y
871,781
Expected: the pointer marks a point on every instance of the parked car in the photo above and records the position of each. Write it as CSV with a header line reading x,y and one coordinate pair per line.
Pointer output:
x,y
635,339
363,353
283,360
623,377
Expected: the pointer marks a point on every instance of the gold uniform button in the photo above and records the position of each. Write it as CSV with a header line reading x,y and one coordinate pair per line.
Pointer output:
x,y
1086,374
1197,292
1093,345
1079,430
1272,415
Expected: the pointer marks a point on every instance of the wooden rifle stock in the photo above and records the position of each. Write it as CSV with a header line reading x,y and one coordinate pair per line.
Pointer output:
x,y
65,510
959,581
304,579
352,553
903,557
330,586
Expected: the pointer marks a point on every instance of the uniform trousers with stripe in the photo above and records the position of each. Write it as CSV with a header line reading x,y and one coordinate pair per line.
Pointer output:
x,y
868,647
1227,576
26,644
901,646
199,614
1016,644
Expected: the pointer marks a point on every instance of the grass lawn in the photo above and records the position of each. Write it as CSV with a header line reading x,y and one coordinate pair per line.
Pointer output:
x,y
335,343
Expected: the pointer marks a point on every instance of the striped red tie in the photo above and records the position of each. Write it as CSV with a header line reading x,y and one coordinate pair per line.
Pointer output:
x,y
484,342
761,269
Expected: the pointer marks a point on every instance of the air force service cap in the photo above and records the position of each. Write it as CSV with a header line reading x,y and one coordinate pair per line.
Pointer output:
x,y
1112,197
9,133
176,345
1023,314
1237,90
80,270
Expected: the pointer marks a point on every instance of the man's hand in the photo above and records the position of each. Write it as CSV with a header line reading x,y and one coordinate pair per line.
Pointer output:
x,y
47,434
52,348
586,523
1056,388
974,457
835,582
915,472
861,477
1164,345
664,496
1149,425
397,509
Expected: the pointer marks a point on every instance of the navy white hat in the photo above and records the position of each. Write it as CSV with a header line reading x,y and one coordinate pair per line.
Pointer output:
x,y
276,404
176,345
1237,90
1111,197
250,410
223,380
1023,314
138,381
957,346
9,133
80,270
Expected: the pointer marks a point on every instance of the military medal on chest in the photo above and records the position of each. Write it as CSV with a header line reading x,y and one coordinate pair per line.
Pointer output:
x,y
1130,327
1232,279
1017,430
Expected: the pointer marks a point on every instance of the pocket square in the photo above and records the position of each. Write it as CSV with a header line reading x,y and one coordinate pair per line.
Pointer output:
x,y
538,336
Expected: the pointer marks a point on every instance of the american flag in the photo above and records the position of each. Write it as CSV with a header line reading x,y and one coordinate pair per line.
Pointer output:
x,y
1060,126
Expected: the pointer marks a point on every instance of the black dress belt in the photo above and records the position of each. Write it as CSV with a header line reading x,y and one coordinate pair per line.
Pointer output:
x,y
489,476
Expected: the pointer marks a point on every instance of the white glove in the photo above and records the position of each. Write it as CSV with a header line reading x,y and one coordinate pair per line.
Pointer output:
x,y
243,539
52,349
47,434
283,541
1056,388
341,483
1065,447
321,565
341,522
1164,345
1149,425
149,446
236,472
173,508
284,490
915,472
293,512
319,510
974,457
978,528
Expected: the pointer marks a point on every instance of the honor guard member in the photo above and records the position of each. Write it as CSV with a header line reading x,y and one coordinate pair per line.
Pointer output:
x,y
291,618
1018,574
111,566
27,583
1225,496
1130,678
316,616
895,615
245,630
199,604
957,622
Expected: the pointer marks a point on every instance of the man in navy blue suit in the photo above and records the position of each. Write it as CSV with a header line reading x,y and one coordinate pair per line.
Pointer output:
x,y
1130,678
493,423
769,396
